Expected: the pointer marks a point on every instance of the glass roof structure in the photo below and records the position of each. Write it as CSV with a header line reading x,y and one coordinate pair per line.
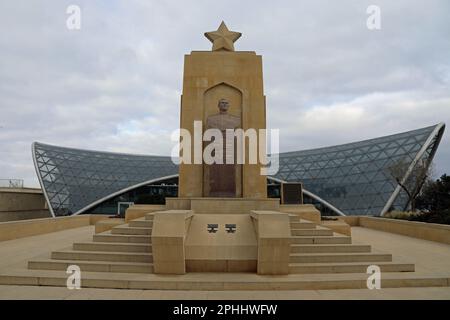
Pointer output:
x,y
350,179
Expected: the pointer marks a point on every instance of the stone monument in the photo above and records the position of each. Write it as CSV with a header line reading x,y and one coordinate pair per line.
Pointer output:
x,y
222,220
235,76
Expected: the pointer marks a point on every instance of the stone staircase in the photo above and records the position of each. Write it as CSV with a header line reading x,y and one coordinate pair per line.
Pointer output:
x,y
125,249
318,250
122,258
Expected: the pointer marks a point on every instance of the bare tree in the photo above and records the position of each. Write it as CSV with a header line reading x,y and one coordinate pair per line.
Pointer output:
x,y
412,185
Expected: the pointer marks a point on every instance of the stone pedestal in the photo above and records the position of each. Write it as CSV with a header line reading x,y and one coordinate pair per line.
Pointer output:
x,y
222,205
274,241
222,249
170,229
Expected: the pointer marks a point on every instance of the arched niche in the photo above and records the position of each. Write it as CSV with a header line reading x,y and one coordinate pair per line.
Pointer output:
x,y
210,107
222,90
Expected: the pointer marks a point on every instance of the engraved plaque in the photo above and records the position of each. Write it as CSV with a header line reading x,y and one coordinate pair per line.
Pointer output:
x,y
291,193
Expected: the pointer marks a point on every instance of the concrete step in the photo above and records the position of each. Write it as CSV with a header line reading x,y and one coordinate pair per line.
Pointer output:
x,y
149,216
321,240
112,247
311,232
222,281
92,266
141,223
302,224
122,238
339,257
353,267
294,218
329,248
102,256
131,231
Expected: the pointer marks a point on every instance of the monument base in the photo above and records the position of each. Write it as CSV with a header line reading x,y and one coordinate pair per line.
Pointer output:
x,y
221,249
202,205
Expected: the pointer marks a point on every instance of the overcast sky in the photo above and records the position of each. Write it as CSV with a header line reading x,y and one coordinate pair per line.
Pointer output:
x,y
115,84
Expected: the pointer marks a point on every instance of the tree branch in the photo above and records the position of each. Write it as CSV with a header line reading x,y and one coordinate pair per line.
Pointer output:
x,y
404,188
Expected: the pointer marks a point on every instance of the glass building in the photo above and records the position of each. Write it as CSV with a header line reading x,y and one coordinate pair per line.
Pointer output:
x,y
349,179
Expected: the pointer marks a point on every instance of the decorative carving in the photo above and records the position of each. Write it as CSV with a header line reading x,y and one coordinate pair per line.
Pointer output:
x,y
223,39
212,227
230,227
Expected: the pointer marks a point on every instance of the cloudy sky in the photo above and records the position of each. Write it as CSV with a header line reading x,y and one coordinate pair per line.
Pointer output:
x,y
115,84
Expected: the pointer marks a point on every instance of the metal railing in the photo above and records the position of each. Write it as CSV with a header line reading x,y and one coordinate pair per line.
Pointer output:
x,y
11,183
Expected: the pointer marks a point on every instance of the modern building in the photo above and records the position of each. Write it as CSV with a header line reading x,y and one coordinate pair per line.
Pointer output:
x,y
349,179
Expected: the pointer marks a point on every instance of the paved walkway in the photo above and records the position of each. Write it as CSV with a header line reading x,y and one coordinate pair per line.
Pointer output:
x,y
429,257
25,292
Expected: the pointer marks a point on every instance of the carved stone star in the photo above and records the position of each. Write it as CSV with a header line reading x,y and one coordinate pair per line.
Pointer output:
x,y
223,39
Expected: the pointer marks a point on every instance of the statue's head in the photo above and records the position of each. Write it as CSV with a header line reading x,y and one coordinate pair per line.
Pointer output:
x,y
223,105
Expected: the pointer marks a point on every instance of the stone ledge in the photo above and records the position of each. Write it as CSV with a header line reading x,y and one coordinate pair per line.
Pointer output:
x,y
338,226
108,224
26,228
416,229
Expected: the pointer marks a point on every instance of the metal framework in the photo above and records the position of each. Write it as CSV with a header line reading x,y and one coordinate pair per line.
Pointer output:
x,y
355,177
350,179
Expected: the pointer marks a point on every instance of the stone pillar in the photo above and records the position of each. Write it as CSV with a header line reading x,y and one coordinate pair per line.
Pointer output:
x,y
168,241
208,77
274,241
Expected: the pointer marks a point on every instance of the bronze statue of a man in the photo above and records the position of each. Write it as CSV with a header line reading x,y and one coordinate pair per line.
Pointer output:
x,y
223,120
221,178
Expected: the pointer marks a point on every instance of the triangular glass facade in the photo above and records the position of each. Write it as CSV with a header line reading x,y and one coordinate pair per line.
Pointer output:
x,y
351,177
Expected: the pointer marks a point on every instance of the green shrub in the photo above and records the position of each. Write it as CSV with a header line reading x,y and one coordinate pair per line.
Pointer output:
x,y
442,217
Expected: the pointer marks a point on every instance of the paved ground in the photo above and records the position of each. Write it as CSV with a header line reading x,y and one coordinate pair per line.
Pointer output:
x,y
429,257
25,292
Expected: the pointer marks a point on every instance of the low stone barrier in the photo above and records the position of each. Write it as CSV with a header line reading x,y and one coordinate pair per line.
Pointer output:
x,y
26,228
422,230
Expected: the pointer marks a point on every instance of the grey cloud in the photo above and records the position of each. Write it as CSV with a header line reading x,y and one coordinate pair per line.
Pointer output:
x,y
115,84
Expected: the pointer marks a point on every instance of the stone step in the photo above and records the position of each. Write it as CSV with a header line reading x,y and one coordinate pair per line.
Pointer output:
x,y
121,238
302,224
112,247
294,218
321,240
312,268
339,257
329,248
222,281
92,266
311,232
102,256
131,231
141,223
149,216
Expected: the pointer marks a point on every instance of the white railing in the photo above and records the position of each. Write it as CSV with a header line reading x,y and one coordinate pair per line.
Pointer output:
x,y
11,183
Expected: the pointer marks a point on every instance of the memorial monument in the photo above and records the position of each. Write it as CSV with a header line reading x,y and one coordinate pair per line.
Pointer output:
x,y
222,220
236,77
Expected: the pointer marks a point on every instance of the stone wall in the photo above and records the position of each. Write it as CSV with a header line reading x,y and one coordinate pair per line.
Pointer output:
x,y
24,215
421,230
24,199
